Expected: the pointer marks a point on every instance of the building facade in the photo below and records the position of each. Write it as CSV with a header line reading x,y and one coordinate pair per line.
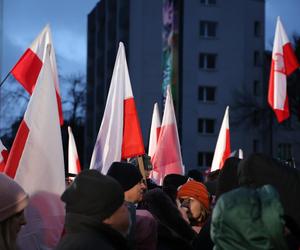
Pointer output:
x,y
220,52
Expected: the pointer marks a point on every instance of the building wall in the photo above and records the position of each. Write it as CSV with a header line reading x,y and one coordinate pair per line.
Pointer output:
x,y
131,22
234,45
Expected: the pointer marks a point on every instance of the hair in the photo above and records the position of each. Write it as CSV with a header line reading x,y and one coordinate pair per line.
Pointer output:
x,y
8,234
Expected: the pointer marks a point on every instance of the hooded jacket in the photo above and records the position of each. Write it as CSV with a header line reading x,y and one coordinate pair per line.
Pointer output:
x,y
248,219
258,170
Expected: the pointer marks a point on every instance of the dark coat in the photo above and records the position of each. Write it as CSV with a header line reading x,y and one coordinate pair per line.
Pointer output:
x,y
173,231
84,233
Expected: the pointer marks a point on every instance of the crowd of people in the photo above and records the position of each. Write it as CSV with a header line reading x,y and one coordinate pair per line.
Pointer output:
x,y
248,204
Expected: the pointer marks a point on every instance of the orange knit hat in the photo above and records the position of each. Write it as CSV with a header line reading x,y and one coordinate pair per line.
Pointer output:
x,y
195,190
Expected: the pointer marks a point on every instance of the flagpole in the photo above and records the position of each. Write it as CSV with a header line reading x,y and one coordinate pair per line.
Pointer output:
x,y
4,79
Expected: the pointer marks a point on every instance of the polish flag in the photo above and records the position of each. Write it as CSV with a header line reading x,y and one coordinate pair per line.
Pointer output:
x,y
222,150
284,63
27,69
74,164
154,131
120,135
167,158
3,156
36,162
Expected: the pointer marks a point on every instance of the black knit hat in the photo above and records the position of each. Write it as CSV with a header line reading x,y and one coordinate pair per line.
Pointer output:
x,y
93,194
125,173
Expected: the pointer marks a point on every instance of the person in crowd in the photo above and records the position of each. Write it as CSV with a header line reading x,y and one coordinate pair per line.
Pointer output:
x,y
133,186
130,179
196,175
258,170
171,183
96,215
227,180
173,231
247,218
194,196
13,201
147,169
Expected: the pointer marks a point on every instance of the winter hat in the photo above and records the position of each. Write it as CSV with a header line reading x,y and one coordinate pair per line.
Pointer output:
x,y
93,194
171,183
125,173
195,190
13,198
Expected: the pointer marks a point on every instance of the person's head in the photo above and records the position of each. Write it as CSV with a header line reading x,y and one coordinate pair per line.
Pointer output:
x,y
13,201
196,175
98,197
194,196
147,164
171,183
130,179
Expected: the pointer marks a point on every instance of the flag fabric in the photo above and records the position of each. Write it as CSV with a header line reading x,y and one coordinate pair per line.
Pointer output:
x,y
3,156
284,63
36,162
120,135
167,158
73,160
154,131
222,150
27,69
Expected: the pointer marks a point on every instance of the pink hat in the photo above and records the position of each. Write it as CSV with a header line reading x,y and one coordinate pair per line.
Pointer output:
x,y
13,198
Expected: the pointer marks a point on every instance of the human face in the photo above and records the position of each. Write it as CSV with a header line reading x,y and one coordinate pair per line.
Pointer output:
x,y
120,220
195,209
135,194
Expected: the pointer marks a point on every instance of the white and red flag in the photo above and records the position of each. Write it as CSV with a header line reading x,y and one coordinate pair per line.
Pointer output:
x,y
167,158
27,69
3,156
284,63
74,163
36,162
222,150
120,135
154,131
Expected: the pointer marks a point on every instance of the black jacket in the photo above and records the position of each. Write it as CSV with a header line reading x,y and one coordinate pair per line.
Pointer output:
x,y
84,233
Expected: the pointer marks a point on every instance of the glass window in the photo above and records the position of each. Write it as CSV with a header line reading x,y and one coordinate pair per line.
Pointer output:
x,y
208,29
257,29
207,61
206,126
206,94
205,159
256,88
208,2
256,58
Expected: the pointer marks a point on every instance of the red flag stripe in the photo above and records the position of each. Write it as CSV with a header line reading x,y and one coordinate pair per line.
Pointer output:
x,y
290,60
17,150
227,150
132,144
27,70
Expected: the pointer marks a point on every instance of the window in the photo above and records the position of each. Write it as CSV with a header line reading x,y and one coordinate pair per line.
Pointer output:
x,y
207,61
257,29
256,58
208,29
255,146
285,151
205,159
208,2
206,126
206,94
256,88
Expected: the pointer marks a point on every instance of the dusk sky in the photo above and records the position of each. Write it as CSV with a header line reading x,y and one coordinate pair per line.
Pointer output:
x,y
23,20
